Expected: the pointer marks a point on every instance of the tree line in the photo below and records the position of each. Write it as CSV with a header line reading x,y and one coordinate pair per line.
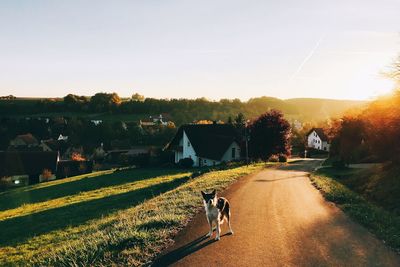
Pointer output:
x,y
371,134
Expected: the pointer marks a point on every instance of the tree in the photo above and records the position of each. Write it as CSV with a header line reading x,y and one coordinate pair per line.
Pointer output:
x,y
102,102
394,72
230,121
73,102
269,134
137,97
239,121
348,141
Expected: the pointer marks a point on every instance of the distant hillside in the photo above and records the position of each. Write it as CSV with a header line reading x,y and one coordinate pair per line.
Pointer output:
x,y
320,109
180,110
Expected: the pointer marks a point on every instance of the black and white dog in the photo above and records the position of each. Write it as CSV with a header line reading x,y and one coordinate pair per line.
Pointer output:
x,y
217,210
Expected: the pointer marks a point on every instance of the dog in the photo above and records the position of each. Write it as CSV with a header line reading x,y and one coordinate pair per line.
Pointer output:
x,y
217,211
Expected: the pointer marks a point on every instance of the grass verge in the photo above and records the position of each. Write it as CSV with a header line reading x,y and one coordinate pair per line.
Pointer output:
x,y
383,224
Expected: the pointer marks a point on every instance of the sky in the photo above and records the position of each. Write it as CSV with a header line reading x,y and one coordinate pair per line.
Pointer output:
x,y
188,49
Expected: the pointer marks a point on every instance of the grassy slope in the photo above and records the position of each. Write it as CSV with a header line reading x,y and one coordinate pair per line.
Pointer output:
x,y
102,219
34,215
380,185
384,224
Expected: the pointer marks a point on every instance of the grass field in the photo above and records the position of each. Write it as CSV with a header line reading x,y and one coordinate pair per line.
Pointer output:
x,y
108,218
334,185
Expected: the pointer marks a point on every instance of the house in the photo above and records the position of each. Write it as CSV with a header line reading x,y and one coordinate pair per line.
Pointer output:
x,y
96,122
62,137
53,145
28,167
24,141
317,139
153,120
206,144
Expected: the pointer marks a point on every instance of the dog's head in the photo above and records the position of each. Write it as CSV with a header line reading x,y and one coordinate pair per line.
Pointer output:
x,y
210,198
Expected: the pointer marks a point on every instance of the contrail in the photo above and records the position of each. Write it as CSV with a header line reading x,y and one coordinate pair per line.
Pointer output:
x,y
307,58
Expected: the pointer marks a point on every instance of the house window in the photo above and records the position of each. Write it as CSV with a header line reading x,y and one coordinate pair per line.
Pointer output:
x,y
233,152
205,161
188,144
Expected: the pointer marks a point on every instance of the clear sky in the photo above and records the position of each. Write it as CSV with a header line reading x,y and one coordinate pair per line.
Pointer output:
x,y
182,48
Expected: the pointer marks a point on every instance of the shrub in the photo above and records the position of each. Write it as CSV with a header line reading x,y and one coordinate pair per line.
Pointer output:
x,y
273,158
282,158
186,163
46,175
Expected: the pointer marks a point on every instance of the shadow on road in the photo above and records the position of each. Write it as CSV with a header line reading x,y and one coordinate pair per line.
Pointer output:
x,y
281,179
179,253
302,165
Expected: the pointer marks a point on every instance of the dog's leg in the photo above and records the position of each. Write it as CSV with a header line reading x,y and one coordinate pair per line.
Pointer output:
x,y
211,228
229,223
218,230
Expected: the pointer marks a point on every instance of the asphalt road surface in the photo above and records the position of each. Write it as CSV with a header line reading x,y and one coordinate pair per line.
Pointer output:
x,y
279,219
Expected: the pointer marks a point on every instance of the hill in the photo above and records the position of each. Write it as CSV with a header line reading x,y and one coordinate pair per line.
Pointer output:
x,y
319,108
180,110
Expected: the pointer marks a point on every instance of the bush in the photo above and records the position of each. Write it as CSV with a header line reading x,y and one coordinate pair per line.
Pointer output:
x,y
46,175
273,158
282,158
186,163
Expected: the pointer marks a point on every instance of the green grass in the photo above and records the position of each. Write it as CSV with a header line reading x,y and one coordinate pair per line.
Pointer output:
x,y
382,223
117,218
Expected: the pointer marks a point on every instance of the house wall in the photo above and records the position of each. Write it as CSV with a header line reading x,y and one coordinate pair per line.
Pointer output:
x,y
178,156
325,146
207,162
22,180
228,154
43,179
17,142
188,151
314,141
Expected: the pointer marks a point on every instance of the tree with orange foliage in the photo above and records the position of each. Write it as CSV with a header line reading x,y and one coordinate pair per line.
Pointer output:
x,y
77,156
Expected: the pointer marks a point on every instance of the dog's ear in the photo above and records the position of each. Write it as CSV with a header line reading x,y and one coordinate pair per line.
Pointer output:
x,y
203,194
214,192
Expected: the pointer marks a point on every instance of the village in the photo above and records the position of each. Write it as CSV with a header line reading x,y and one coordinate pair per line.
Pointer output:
x,y
29,160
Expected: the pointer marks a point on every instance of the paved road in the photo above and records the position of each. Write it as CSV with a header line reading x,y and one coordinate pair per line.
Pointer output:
x,y
279,219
